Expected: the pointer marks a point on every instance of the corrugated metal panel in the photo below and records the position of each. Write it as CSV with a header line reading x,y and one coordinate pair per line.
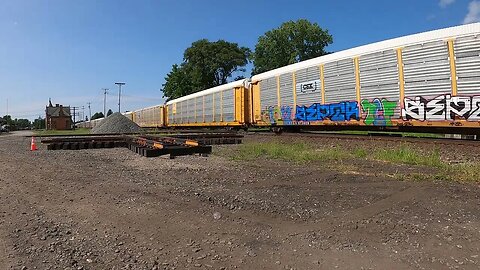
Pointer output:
x,y
148,117
427,69
189,116
170,113
180,112
467,55
309,86
208,108
199,101
286,90
379,77
268,93
218,106
228,106
340,81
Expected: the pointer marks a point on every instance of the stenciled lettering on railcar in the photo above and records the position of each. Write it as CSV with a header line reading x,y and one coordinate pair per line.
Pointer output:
x,y
308,87
444,107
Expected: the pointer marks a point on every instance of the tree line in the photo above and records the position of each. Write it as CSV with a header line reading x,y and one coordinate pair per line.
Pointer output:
x,y
19,124
207,64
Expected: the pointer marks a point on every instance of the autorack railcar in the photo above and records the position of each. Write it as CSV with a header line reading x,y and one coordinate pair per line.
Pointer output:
x,y
428,80
151,117
222,106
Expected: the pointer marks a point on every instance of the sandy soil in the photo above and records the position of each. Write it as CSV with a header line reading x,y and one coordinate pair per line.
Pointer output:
x,y
112,209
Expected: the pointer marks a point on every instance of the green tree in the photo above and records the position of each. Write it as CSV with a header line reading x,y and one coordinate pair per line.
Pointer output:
x,y
205,65
23,123
178,83
97,115
109,112
39,123
292,42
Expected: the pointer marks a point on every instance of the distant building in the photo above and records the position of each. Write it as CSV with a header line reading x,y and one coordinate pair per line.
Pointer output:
x,y
57,117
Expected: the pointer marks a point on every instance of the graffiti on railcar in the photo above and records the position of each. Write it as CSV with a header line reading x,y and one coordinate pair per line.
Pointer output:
x,y
341,111
444,107
379,112
276,115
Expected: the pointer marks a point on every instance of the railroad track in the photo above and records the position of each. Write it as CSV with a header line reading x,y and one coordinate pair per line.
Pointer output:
x,y
371,136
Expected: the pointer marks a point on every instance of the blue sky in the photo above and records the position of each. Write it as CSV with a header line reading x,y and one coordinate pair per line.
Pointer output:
x,y
69,50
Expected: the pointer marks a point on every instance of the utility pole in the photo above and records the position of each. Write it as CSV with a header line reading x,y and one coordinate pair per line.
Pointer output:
x,y
89,111
105,90
83,114
74,115
119,93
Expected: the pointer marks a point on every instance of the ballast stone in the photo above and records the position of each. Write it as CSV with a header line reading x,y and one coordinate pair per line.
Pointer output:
x,y
116,123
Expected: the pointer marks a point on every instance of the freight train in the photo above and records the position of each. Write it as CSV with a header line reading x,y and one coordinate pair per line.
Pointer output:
x,y
427,82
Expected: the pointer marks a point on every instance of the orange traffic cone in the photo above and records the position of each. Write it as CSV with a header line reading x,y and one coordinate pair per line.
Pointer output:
x,y
33,146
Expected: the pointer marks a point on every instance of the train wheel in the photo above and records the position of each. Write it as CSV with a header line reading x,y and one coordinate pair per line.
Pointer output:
x,y
277,130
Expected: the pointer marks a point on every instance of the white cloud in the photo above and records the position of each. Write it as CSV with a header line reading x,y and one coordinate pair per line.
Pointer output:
x,y
473,12
445,3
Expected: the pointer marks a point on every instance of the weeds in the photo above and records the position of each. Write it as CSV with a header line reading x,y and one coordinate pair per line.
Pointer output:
x,y
407,155
302,152
298,152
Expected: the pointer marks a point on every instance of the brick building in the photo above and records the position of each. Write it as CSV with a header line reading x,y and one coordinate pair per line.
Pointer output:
x,y
57,117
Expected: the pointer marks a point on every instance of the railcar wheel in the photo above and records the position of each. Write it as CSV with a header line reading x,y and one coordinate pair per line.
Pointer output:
x,y
277,130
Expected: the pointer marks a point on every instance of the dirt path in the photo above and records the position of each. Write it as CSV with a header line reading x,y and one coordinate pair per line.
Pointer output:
x,y
112,209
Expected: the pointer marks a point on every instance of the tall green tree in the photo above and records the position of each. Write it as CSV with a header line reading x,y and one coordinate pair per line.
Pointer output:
x,y
292,42
205,65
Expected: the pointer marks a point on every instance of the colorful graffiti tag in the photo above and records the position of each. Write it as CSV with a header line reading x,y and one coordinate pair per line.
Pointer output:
x,y
379,112
275,115
342,111
444,107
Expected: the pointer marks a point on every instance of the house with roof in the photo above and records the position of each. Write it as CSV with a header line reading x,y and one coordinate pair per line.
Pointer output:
x,y
58,117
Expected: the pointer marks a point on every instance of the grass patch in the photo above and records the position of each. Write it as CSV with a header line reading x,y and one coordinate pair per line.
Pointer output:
x,y
407,155
298,152
463,172
303,152
78,131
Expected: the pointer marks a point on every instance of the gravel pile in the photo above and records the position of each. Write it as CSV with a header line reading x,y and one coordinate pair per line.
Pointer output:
x,y
116,124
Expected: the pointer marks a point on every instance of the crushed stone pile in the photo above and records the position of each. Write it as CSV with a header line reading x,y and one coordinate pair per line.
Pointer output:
x,y
116,123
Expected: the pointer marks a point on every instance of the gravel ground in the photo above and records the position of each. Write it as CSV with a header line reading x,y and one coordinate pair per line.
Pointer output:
x,y
116,123
112,209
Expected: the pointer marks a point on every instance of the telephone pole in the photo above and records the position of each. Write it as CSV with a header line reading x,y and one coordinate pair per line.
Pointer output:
x,y
119,93
105,90
74,115
89,111
83,114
